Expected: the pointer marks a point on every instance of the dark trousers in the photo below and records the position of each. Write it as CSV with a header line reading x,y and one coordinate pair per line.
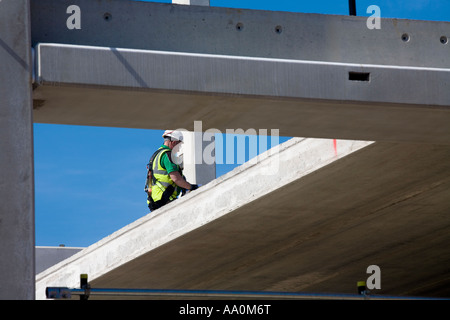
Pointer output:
x,y
153,205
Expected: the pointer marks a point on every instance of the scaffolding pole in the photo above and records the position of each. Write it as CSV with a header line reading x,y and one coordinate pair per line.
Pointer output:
x,y
85,293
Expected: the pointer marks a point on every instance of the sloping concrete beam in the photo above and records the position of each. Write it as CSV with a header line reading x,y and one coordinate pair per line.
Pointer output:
x,y
273,169
317,233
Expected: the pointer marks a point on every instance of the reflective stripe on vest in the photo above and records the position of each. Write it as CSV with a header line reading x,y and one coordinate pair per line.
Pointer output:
x,y
162,178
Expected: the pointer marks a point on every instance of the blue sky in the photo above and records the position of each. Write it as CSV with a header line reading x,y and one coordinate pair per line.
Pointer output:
x,y
89,180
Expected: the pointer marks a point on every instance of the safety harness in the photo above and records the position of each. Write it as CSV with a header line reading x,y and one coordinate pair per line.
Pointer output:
x,y
168,188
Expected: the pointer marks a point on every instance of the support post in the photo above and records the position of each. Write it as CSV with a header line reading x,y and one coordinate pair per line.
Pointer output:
x,y
17,265
198,152
352,7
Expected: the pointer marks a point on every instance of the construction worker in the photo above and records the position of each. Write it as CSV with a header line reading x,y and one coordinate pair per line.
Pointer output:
x,y
165,180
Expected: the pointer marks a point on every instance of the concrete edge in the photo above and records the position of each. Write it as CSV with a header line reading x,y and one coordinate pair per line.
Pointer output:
x,y
62,64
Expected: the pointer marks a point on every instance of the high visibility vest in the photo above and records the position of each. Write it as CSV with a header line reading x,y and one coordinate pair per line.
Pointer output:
x,y
161,180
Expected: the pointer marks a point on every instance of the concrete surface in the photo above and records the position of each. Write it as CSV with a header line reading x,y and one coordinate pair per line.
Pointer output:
x,y
16,153
264,34
318,232
128,88
195,169
321,232
213,202
320,119
127,69
405,100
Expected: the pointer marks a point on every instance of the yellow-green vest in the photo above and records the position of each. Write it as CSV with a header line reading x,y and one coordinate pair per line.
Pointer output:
x,y
161,179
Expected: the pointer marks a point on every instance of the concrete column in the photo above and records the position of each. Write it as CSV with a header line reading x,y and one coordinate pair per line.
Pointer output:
x,y
192,2
17,244
198,152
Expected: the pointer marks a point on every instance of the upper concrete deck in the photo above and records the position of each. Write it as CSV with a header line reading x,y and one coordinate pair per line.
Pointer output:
x,y
132,61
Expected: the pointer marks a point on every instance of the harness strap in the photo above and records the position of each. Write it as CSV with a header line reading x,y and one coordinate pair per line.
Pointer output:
x,y
150,169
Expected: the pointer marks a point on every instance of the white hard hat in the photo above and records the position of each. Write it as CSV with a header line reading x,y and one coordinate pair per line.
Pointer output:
x,y
173,134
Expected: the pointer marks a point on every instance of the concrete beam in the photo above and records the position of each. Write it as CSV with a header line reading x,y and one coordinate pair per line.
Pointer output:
x,y
275,168
316,231
86,66
17,265
251,33
323,99
327,95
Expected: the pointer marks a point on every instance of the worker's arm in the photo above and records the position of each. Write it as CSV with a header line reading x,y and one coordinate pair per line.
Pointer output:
x,y
179,180
175,175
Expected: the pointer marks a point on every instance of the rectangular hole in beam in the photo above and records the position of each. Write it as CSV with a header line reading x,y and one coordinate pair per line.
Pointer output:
x,y
359,76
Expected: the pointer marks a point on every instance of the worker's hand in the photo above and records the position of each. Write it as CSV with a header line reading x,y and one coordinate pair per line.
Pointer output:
x,y
194,186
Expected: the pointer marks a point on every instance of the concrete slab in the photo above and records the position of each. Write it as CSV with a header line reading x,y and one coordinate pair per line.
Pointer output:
x,y
210,204
205,30
241,32
317,231
90,66
99,86
386,205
